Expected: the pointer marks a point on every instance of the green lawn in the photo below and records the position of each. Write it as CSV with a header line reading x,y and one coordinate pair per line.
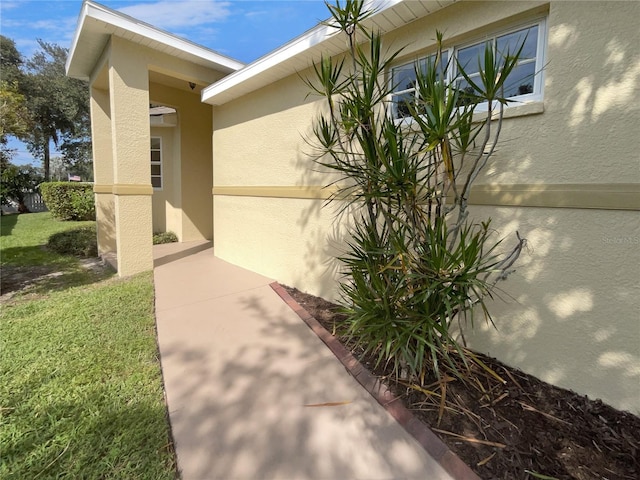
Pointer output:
x,y
21,238
80,388
30,270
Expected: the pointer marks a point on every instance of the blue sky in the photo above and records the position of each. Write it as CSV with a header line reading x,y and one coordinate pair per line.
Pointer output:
x,y
244,30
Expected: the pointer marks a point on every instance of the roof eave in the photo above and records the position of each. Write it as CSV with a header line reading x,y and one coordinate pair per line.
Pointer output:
x,y
313,42
213,94
76,68
74,45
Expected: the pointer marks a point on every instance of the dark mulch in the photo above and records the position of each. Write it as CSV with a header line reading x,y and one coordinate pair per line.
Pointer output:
x,y
524,429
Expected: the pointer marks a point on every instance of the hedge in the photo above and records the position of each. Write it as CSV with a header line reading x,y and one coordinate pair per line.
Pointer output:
x,y
69,200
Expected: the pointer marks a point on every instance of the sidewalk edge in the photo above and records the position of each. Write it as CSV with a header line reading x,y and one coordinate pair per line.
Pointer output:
x,y
435,447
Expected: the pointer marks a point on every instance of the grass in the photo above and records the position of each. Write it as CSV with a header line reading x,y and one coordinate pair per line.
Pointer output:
x,y
22,236
81,389
24,258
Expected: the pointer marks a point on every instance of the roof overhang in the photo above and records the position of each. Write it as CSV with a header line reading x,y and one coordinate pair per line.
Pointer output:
x,y
305,50
98,23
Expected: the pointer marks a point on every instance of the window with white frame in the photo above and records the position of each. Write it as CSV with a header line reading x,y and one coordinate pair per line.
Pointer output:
x,y
403,79
156,163
524,83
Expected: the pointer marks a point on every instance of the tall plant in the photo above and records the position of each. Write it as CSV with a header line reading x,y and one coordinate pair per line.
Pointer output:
x,y
415,263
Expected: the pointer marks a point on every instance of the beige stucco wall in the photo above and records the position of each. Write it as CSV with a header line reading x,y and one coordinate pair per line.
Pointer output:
x,y
129,103
187,203
591,80
103,169
167,214
257,140
128,209
574,318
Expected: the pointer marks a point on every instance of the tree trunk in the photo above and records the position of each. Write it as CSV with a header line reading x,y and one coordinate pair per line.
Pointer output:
x,y
46,161
22,207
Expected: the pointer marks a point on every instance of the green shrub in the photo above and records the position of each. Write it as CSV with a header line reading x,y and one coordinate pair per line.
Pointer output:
x,y
80,242
69,200
415,265
164,237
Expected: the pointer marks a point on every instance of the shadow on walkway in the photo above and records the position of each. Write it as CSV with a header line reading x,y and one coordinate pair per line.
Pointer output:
x,y
248,383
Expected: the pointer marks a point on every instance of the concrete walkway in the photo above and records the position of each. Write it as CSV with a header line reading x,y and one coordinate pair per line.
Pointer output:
x,y
242,374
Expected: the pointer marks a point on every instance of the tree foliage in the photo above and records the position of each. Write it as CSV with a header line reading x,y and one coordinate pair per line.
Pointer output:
x,y
17,182
416,264
14,116
76,150
10,61
41,106
58,105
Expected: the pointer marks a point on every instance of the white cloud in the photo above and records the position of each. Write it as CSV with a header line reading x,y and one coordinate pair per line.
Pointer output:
x,y
256,13
59,32
8,5
65,24
172,14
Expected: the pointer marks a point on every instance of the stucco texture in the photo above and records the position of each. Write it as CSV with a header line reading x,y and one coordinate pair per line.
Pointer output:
x,y
165,201
129,130
103,169
126,79
188,204
286,239
259,138
571,314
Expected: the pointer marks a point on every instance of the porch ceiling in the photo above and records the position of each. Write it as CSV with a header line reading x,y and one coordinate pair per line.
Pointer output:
x,y
174,82
101,80
97,23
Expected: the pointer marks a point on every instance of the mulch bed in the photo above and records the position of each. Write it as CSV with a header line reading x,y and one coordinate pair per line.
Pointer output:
x,y
524,429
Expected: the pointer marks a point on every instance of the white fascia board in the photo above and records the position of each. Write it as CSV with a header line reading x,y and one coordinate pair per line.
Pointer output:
x,y
111,17
304,42
282,54
76,38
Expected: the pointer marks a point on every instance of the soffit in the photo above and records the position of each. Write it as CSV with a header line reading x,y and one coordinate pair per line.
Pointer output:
x,y
97,23
175,82
305,50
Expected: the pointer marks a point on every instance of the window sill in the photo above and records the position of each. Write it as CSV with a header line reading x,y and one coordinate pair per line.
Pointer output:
x,y
522,109
513,111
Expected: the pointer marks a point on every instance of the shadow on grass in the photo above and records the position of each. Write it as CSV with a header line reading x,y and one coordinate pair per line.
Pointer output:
x,y
91,435
7,222
83,394
34,270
